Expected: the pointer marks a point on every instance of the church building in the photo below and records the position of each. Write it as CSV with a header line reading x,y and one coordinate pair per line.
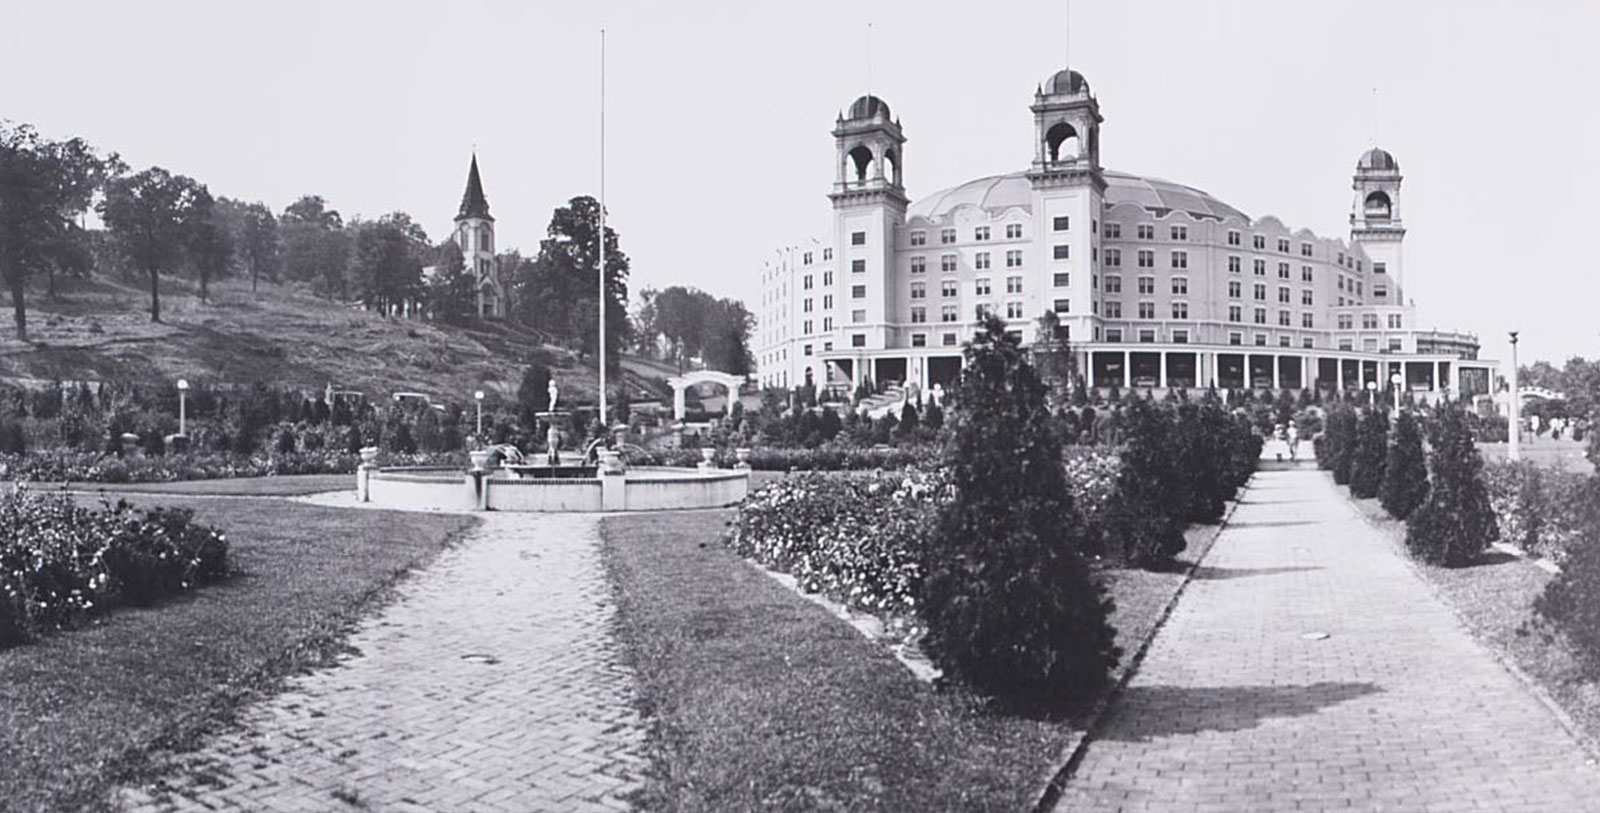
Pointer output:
x,y
475,235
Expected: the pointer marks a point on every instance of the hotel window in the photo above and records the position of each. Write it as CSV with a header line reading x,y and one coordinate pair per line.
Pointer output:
x,y
1180,285
948,313
1180,232
1369,321
948,288
1180,259
805,305
1235,289
1113,309
827,278
1113,231
1147,336
1379,268
1261,316
1180,337
858,292
827,254
1013,310
827,325
1236,338
1380,290
1260,267
1147,310
858,266
858,238
947,236
1180,310
1147,285
1261,340
919,314
1346,321
1394,346
806,258
1147,231
1014,258
857,317
1061,223
1341,282
1283,246
1113,283
858,340
1114,335
1283,270
981,311
1260,292
1346,344
981,286
1235,313
1063,306
807,328
1147,259
919,265
947,263
1013,231
1305,249
1306,320
919,238
1283,295
1284,319
1394,321
1283,341
1233,237
1233,265
1013,285
919,340
1341,258
1063,279
805,282
1259,242
1358,265
1358,287
949,339
1305,297
981,260
807,349
919,290
1061,251
1305,273
980,233
827,302
1113,258
1308,343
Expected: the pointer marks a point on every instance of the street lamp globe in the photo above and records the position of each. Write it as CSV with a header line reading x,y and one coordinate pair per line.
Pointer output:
x,y
183,384
478,395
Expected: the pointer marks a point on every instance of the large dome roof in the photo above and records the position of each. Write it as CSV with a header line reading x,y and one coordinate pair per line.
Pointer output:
x,y
1065,81
868,107
1378,158
1000,192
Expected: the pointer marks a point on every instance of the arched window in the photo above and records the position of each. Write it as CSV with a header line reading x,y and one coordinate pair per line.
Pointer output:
x,y
893,158
861,157
1378,206
1062,143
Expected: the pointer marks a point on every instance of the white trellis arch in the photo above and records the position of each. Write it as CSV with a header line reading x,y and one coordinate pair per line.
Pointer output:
x,y
683,382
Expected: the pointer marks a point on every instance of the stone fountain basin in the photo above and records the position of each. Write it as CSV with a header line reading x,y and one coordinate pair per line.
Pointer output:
x,y
552,489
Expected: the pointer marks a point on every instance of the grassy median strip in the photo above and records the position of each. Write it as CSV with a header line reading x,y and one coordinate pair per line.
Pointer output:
x,y
84,710
758,699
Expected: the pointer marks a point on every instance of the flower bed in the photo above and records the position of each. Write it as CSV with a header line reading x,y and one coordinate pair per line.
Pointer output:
x,y
823,458
60,562
68,466
1538,508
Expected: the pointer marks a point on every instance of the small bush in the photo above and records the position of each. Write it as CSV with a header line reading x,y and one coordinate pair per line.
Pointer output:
x,y
1456,523
1571,601
1405,470
1141,529
1336,453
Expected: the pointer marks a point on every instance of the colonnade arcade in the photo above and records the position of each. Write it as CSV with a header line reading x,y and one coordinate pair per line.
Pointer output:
x,y
1262,368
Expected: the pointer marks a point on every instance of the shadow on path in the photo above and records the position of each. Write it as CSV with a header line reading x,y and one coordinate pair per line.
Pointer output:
x,y
1147,713
1288,523
1221,573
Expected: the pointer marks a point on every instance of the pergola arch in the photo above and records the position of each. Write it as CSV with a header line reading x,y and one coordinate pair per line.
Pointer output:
x,y
683,382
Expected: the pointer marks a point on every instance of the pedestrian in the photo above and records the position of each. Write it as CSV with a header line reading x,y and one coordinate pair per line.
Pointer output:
x,y
1294,441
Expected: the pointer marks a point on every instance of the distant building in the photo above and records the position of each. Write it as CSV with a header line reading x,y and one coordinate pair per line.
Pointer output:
x,y
475,236
1157,284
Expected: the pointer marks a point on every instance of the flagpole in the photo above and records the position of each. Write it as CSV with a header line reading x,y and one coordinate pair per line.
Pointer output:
x,y
604,423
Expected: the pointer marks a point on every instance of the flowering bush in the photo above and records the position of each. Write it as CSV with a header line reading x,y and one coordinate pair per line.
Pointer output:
x,y
92,467
1538,509
60,562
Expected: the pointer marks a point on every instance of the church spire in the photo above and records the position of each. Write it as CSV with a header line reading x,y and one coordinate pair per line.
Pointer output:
x,y
473,203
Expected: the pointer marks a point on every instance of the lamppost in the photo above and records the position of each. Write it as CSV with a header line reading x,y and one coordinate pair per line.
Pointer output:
x,y
1396,380
183,411
1514,414
478,396
1372,394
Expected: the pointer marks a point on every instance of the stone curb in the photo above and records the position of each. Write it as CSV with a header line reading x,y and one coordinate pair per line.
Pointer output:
x,y
1585,743
1078,745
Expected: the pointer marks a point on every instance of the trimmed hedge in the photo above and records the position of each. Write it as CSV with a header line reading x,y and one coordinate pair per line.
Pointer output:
x,y
1456,523
60,563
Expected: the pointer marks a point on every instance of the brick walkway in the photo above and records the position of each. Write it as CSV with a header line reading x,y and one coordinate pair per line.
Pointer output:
x,y
1398,709
492,684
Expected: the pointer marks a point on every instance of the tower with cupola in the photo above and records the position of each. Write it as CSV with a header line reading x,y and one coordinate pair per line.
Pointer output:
x,y
475,236
1068,199
869,214
1375,219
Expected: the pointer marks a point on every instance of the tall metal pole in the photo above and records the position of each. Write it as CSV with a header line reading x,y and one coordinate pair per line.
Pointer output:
x,y
602,238
1515,412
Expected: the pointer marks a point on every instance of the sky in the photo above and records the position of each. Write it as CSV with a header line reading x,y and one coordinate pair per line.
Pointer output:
x,y
717,117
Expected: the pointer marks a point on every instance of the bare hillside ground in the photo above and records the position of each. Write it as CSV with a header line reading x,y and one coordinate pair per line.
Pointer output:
x,y
282,335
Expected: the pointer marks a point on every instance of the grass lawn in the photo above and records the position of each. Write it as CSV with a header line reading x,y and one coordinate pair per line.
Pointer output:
x,y
289,485
1494,600
1545,451
759,699
85,710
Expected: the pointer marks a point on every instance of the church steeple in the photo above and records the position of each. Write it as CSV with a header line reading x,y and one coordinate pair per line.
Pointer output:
x,y
473,203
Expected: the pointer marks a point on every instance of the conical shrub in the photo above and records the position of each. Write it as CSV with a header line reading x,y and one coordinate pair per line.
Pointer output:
x,y
1370,454
1405,472
1456,523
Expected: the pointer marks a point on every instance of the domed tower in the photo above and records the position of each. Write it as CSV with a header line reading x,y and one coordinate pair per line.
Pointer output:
x,y
1068,200
869,211
1375,218
475,236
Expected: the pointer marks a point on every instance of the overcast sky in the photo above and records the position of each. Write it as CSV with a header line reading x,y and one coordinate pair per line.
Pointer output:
x,y
718,117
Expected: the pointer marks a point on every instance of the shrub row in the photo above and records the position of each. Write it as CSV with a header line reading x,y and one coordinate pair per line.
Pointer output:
x,y
66,466
822,458
60,562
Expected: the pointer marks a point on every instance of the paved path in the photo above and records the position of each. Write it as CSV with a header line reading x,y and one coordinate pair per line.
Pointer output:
x,y
1397,710
492,684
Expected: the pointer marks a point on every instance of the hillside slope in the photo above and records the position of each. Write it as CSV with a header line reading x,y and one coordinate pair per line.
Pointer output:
x,y
101,329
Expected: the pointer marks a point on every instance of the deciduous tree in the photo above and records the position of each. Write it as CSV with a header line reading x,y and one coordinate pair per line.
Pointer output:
x,y
148,214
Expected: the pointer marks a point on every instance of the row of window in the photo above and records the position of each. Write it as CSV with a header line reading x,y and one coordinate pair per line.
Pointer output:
x,y
948,236
827,254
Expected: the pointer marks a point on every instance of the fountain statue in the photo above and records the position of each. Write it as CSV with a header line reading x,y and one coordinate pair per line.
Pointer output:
x,y
552,438
553,391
